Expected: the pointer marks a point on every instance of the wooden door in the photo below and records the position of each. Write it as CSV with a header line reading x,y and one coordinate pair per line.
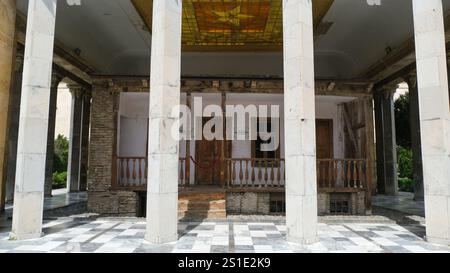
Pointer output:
x,y
324,146
324,138
208,161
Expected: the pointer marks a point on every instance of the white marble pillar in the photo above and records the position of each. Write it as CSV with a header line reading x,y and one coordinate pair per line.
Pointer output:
x,y
300,120
434,110
163,153
32,143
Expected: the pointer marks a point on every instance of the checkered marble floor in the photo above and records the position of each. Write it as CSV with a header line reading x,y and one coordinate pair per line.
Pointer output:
x,y
127,236
403,202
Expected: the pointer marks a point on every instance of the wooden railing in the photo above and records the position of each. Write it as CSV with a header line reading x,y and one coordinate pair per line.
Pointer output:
x,y
331,173
132,172
342,173
253,172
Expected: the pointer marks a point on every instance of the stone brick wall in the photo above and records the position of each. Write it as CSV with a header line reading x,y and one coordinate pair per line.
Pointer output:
x,y
101,198
248,203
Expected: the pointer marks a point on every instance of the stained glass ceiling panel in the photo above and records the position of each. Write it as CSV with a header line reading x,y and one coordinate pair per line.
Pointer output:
x,y
232,24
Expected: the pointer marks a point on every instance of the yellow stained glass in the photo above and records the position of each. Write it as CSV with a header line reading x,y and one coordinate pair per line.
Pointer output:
x,y
232,23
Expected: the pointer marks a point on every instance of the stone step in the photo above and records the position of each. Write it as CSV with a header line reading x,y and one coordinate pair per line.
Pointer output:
x,y
202,205
201,196
202,214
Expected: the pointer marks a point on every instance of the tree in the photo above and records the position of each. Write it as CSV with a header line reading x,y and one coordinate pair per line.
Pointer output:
x,y
402,125
61,155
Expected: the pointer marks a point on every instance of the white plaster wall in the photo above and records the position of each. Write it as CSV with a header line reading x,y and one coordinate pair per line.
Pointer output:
x,y
63,109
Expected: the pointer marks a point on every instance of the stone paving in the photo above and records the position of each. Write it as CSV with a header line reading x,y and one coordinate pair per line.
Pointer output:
x,y
396,226
127,236
60,199
404,202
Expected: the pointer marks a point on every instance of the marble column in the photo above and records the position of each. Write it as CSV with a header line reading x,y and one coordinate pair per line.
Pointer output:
x,y
389,141
85,126
73,168
13,133
381,174
432,83
32,144
56,79
416,146
7,30
300,119
387,180
163,152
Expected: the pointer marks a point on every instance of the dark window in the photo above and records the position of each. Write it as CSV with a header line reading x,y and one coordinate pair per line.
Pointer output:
x,y
257,152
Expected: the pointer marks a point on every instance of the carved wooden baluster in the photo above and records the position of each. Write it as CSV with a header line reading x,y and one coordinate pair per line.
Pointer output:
x,y
134,171
272,173
228,172
233,172
122,171
246,172
253,172
259,172
335,171
279,174
140,172
349,173
241,173
361,176
355,174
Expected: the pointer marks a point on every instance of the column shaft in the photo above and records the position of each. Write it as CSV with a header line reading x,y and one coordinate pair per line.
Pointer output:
x,y
416,146
299,103
381,173
163,152
56,79
434,110
73,168
390,144
84,153
32,144
13,132
7,30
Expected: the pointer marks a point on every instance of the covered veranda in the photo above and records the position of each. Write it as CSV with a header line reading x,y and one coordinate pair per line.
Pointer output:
x,y
426,73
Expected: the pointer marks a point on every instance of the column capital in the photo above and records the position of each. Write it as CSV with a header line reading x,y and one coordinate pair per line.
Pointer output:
x,y
387,90
411,79
56,79
18,66
76,90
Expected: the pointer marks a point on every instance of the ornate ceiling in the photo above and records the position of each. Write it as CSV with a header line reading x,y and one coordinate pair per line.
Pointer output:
x,y
224,25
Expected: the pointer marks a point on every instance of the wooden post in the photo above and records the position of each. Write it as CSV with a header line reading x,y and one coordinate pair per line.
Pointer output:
x,y
188,145
222,146
370,152
116,98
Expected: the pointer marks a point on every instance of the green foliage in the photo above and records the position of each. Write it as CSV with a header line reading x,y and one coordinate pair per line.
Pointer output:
x,y
406,184
59,180
405,162
60,161
402,125
61,154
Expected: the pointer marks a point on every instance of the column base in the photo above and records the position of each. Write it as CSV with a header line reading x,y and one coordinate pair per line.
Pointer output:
x,y
161,240
21,237
438,241
302,241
